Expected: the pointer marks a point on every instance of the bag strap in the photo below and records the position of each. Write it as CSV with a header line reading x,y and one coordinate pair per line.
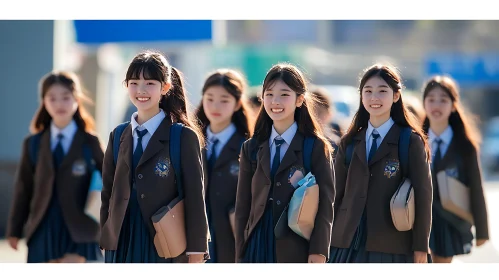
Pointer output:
x,y
404,141
117,139
33,146
175,142
308,146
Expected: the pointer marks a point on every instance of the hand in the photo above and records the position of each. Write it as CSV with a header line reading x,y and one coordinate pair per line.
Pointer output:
x,y
420,257
196,258
13,242
480,242
316,258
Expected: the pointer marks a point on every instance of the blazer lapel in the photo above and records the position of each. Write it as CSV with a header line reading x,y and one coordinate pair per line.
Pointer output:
x,y
290,157
447,158
126,146
155,145
75,149
45,156
231,150
384,149
264,158
360,147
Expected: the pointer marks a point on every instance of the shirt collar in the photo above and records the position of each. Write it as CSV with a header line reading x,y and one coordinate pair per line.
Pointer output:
x,y
151,125
287,135
446,136
67,131
223,136
382,129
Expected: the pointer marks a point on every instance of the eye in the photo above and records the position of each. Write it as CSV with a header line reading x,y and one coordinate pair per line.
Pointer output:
x,y
268,94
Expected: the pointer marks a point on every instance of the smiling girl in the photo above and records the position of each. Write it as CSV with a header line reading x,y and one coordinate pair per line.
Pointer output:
x,y
264,188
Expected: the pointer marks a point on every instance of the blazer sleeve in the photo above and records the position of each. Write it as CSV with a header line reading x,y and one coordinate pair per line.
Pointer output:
x,y
243,199
478,205
323,170
420,176
193,184
340,174
108,169
23,192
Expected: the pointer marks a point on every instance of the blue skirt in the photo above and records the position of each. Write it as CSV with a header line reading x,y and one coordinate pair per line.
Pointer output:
x,y
135,244
52,240
261,243
446,241
357,253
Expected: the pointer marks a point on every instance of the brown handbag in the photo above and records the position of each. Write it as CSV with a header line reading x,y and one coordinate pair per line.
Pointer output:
x,y
169,221
402,206
454,196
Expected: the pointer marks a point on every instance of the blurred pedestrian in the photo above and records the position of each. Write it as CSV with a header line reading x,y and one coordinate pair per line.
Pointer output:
x,y
454,140
226,123
54,177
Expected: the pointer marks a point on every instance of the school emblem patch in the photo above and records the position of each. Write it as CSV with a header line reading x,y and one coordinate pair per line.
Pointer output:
x,y
391,168
293,170
234,168
452,172
79,167
162,167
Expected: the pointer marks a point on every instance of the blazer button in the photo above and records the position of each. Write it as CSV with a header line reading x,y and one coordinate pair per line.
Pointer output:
x,y
219,174
218,193
140,176
278,184
278,202
142,196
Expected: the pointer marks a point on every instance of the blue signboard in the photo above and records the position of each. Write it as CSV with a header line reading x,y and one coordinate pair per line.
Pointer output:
x,y
479,69
121,31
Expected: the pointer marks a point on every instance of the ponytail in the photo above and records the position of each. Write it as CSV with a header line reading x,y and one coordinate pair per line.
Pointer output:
x,y
175,103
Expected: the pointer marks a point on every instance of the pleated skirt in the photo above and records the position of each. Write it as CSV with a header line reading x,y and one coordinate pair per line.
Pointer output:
x,y
135,244
52,240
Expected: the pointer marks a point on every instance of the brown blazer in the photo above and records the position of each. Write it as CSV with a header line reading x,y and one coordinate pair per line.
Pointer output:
x,y
367,185
153,190
252,196
221,196
463,158
33,189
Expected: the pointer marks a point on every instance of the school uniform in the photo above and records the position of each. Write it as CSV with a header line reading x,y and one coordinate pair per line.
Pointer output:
x,y
142,182
459,160
49,197
261,198
363,229
221,159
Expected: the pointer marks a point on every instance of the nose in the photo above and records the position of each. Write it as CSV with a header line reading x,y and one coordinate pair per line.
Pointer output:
x,y
141,88
276,100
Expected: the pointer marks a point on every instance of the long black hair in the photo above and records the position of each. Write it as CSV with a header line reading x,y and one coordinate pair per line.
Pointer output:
x,y
154,66
304,115
235,84
399,112
462,122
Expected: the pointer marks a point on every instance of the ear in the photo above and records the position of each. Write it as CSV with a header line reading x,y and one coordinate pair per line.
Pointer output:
x,y
239,104
299,100
396,97
166,87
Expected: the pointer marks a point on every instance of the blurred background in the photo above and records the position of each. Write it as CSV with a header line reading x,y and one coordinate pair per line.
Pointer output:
x,y
332,53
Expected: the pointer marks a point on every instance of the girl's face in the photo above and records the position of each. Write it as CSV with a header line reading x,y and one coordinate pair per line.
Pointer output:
x,y
60,103
378,97
438,106
146,94
219,105
280,102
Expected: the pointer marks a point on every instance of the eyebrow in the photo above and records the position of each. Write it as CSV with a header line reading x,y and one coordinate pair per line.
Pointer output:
x,y
381,86
282,89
